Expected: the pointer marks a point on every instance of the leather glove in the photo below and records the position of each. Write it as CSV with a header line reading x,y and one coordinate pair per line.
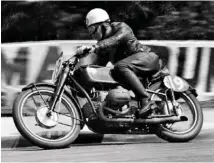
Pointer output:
x,y
82,49
85,49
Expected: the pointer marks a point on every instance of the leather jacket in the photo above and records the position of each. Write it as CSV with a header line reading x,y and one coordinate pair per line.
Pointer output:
x,y
122,40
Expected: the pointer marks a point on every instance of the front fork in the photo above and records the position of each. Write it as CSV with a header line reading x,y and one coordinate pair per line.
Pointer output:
x,y
59,89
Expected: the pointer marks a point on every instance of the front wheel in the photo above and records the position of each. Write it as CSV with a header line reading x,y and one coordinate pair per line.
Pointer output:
x,y
186,130
56,130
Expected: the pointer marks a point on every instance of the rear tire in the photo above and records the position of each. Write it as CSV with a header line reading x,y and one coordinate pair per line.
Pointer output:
x,y
32,137
190,134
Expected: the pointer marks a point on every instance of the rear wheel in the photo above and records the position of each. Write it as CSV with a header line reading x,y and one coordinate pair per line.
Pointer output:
x,y
186,130
56,130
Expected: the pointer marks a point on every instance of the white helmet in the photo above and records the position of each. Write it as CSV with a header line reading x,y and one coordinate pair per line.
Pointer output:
x,y
96,15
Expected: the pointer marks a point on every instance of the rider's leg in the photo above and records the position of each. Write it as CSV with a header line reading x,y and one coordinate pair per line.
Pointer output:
x,y
125,72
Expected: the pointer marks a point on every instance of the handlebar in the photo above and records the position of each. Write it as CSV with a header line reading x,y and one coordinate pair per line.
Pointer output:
x,y
85,52
78,56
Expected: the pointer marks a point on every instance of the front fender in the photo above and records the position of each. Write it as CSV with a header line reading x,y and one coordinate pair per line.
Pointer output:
x,y
66,91
31,85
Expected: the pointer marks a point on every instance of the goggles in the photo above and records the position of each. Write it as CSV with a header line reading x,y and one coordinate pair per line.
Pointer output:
x,y
92,29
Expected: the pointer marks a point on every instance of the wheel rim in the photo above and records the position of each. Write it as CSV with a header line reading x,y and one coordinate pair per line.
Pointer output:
x,y
189,110
62,130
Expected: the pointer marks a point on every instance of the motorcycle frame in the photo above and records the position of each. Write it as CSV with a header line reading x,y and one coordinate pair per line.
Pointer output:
x,y
67,73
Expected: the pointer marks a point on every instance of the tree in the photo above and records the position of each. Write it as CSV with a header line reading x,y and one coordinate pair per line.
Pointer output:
x,y
192,20
159,20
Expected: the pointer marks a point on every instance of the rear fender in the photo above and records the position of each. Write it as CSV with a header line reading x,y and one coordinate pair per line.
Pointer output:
x,y
193,91
66,91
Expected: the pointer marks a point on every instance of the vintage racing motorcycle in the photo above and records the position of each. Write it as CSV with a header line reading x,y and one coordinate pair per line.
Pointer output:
x,y
51,115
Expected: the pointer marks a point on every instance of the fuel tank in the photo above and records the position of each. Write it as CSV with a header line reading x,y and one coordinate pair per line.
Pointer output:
x,y
92,74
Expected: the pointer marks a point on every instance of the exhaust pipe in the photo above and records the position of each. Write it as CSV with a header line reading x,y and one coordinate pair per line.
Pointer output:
x,y
162,120
141,121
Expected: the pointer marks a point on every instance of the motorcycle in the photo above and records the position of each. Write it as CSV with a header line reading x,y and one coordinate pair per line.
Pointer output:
x,y
51,115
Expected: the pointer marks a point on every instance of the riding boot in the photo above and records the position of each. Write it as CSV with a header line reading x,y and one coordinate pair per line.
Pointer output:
x,y
146,106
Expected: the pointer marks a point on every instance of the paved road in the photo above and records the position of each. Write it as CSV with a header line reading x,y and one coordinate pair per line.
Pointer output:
x,y
152,150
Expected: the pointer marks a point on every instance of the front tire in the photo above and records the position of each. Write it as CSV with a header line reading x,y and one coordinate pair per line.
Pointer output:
x,y
194,127
56,136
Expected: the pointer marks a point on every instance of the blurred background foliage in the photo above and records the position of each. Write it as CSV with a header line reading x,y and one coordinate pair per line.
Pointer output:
x,y
64,20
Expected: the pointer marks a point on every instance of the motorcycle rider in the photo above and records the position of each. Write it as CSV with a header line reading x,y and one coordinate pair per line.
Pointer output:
x,y
132,59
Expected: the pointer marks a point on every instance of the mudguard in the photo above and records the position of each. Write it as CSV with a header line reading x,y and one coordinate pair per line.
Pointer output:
x,y
193,91
66,91
178,84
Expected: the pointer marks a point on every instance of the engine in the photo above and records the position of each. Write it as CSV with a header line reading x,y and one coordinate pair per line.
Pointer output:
x,y
118,97
117,105
117,101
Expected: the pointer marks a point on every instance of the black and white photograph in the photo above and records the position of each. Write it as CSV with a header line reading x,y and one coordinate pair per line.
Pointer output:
x,y
107,81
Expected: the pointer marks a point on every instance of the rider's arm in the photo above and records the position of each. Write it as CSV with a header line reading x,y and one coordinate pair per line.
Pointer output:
x,y
121,35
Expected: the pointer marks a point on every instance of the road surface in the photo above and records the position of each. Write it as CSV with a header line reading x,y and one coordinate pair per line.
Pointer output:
x,y
152,149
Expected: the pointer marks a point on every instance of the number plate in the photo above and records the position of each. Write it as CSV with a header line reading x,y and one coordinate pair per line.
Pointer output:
x,y
176,83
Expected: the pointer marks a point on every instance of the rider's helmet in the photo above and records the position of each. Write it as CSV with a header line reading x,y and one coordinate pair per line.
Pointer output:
x,y
96,23
95,16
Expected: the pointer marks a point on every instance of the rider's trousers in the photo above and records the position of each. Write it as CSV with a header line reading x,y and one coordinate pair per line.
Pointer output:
x,y
141,64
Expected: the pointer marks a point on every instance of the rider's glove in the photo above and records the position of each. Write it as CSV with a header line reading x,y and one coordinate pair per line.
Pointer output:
x,y
93,49
85,49
82,49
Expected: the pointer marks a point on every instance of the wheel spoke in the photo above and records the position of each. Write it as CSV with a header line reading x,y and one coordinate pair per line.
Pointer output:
x,y
63,114
68,116
186,108
64,124
34,113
